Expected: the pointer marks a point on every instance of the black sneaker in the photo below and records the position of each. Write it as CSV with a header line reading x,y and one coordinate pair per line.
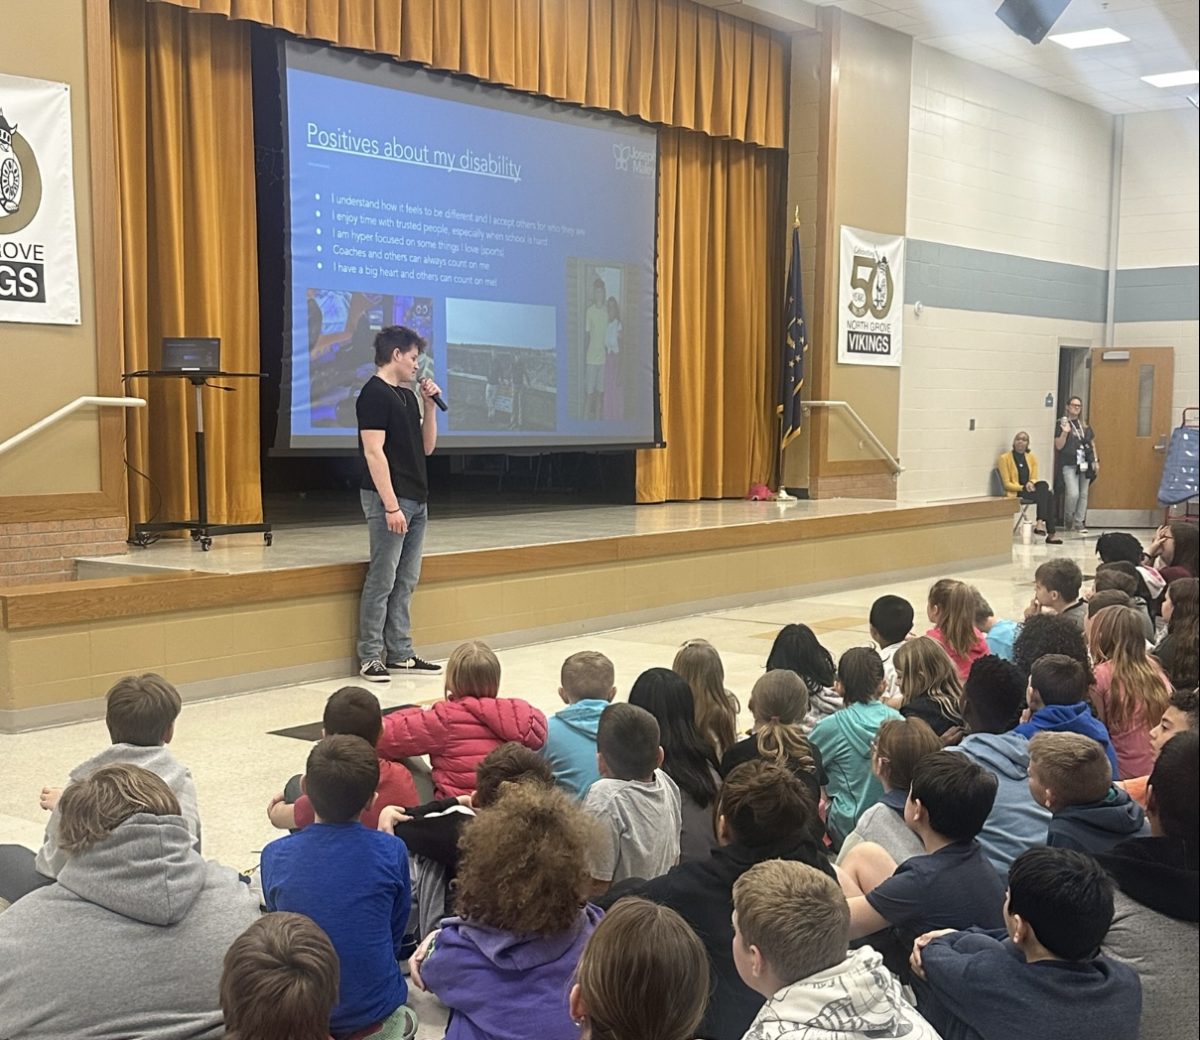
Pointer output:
x,y
374,671
414,664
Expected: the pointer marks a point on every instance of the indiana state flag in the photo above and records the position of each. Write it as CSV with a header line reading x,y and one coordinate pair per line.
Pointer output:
x,y
795,346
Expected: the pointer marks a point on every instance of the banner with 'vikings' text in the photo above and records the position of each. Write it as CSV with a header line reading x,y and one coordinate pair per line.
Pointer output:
x,y
870,298
39,269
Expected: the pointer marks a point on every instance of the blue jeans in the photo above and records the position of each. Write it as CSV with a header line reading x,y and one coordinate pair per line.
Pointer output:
x,y
384,628
1075,496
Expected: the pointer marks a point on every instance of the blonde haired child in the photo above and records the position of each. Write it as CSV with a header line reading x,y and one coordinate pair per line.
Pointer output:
x,y
458,733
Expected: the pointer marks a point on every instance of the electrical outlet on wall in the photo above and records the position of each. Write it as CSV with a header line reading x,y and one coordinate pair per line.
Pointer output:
x,y
972,425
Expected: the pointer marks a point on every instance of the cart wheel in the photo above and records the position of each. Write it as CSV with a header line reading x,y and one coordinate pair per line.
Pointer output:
x,y
206,544
195,536
267,537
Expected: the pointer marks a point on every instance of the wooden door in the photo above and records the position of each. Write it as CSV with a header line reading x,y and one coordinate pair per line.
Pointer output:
x,y
1130,410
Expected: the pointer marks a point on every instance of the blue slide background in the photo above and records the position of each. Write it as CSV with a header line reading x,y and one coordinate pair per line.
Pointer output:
x,y
595,176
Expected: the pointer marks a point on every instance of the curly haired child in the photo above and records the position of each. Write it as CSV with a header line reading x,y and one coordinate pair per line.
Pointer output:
x,y
510,954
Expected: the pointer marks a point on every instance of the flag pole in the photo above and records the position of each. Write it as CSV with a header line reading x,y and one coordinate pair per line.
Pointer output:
x,y
781,495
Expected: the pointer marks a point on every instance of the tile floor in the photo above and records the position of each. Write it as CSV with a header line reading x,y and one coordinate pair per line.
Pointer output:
x,y
238,765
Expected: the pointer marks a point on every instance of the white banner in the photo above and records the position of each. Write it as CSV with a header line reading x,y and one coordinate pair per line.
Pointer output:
x,y
39,270
870,298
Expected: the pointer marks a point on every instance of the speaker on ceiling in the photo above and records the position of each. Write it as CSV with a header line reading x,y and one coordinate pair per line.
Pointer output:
x,y
1031,18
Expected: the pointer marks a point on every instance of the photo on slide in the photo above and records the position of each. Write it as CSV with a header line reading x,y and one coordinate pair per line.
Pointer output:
x,y
600,377
501,370
341,346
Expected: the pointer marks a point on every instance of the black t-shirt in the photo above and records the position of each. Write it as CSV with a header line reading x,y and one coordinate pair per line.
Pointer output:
x,y
396,411
1068,456
746,750
928,710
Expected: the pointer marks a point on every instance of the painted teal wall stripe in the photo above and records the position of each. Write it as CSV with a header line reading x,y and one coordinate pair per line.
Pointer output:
x,y
1158,294
941,275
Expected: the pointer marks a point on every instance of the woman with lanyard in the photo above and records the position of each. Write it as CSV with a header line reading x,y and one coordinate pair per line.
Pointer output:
x,y
1019,474
1077,462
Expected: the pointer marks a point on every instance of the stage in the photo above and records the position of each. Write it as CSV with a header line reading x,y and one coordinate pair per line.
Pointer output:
x,y
245,616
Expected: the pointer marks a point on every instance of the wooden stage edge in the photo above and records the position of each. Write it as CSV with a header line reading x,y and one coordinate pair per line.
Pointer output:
x,y
63,645
34,606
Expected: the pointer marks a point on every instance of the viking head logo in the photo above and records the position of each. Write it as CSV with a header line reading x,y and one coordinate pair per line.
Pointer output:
x,y
10,169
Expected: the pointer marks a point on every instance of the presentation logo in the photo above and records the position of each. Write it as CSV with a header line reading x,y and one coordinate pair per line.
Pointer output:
x,y
631,159
20,179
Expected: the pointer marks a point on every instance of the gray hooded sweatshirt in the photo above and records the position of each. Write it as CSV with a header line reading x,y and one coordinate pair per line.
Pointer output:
x,y
129,943
157,760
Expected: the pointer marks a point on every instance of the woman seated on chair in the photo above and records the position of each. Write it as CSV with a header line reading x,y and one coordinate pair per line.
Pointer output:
x,y
1019,475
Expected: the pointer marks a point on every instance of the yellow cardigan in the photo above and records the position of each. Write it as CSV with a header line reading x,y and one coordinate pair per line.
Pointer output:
x,y
1008,473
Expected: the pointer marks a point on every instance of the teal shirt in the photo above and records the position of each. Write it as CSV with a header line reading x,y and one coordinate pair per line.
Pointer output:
x,y
570,747
844,740
1001,636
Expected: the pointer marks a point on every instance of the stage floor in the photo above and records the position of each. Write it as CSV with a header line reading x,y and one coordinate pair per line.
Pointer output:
x,y
503,527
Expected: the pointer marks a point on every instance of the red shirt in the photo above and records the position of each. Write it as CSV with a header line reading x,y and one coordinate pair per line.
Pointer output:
x,y
396,787
962,664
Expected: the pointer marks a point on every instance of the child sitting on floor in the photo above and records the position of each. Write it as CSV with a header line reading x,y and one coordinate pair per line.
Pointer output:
x,y
952,885
1131,690
280,981
930,688
351,881
355,712
1070,775
140,713
643,976
899,745
570,749
1057,703
431,831
458,732
844,741
1000,633
716,709
791,933
636,803
951,611
1056,585
890,622
779,703
797,647
504,965
1044,980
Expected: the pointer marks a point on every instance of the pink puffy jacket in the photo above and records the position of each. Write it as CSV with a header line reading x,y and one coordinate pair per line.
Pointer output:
x,y
458,735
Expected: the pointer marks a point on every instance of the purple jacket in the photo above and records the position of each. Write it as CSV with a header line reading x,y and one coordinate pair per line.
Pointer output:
x,y
501,986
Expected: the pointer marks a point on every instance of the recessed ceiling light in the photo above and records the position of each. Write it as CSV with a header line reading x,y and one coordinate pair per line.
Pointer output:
x,y
1173,79
1088,38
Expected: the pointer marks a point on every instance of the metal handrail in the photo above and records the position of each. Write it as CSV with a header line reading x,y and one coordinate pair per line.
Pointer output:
x,y
888,457
65,410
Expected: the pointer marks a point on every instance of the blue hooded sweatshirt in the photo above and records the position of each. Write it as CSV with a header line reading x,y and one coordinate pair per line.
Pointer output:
x,y
1016,822
1071,718
570,746
979,986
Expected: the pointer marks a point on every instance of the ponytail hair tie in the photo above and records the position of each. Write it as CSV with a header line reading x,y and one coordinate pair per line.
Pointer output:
x,y
773,718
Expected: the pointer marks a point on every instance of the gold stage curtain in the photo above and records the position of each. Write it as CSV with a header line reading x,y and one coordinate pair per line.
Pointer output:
x,y
185,152
665,61
720,317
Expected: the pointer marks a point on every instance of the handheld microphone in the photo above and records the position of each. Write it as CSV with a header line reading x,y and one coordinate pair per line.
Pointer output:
x,y
436,398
